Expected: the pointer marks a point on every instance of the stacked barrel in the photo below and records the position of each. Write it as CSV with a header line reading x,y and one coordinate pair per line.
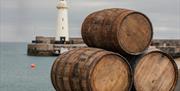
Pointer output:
x,y
118,57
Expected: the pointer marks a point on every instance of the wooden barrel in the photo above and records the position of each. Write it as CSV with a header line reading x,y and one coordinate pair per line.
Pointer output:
x,y
90,69
154,71
119,30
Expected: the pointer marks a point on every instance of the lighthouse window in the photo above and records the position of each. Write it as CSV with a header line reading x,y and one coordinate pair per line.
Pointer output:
x,y
62,19
62,28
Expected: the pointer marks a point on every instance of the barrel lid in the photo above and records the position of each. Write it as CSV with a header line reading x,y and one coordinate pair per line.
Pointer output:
x,y
157,71
111,73
135,32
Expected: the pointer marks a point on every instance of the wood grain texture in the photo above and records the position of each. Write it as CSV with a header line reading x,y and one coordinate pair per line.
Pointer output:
x,y
155,71
83,69
135,33
110,75
119,30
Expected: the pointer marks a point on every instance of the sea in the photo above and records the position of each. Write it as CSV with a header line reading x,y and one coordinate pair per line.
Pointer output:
x,y
16,73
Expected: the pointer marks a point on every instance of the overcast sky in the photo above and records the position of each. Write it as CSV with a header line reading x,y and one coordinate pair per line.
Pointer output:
x,y
22,20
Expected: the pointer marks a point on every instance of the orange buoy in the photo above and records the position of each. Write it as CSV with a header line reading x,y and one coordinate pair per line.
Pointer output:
x,y
33,65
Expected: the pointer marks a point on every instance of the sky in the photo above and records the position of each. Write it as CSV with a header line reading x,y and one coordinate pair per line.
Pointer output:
x,y
22,20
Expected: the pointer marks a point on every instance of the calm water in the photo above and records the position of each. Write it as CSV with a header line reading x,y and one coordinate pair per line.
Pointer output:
x,y
16,73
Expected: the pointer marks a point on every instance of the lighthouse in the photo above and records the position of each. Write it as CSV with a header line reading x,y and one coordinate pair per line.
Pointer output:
x,y
62,32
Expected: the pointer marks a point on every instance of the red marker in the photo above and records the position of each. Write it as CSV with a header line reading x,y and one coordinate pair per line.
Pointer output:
x,y
33,65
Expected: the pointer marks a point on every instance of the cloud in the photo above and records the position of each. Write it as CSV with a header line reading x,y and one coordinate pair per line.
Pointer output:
x,y
38,17
162,32
163,29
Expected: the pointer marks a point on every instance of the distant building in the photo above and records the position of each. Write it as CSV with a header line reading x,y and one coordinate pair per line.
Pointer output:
x,y
171,47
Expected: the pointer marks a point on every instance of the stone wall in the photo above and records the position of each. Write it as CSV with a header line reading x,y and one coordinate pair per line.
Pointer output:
x,y
40,49
46,40
77,40
49,44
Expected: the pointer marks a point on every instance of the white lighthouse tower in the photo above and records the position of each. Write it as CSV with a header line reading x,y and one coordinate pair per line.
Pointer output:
x,y
62,31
